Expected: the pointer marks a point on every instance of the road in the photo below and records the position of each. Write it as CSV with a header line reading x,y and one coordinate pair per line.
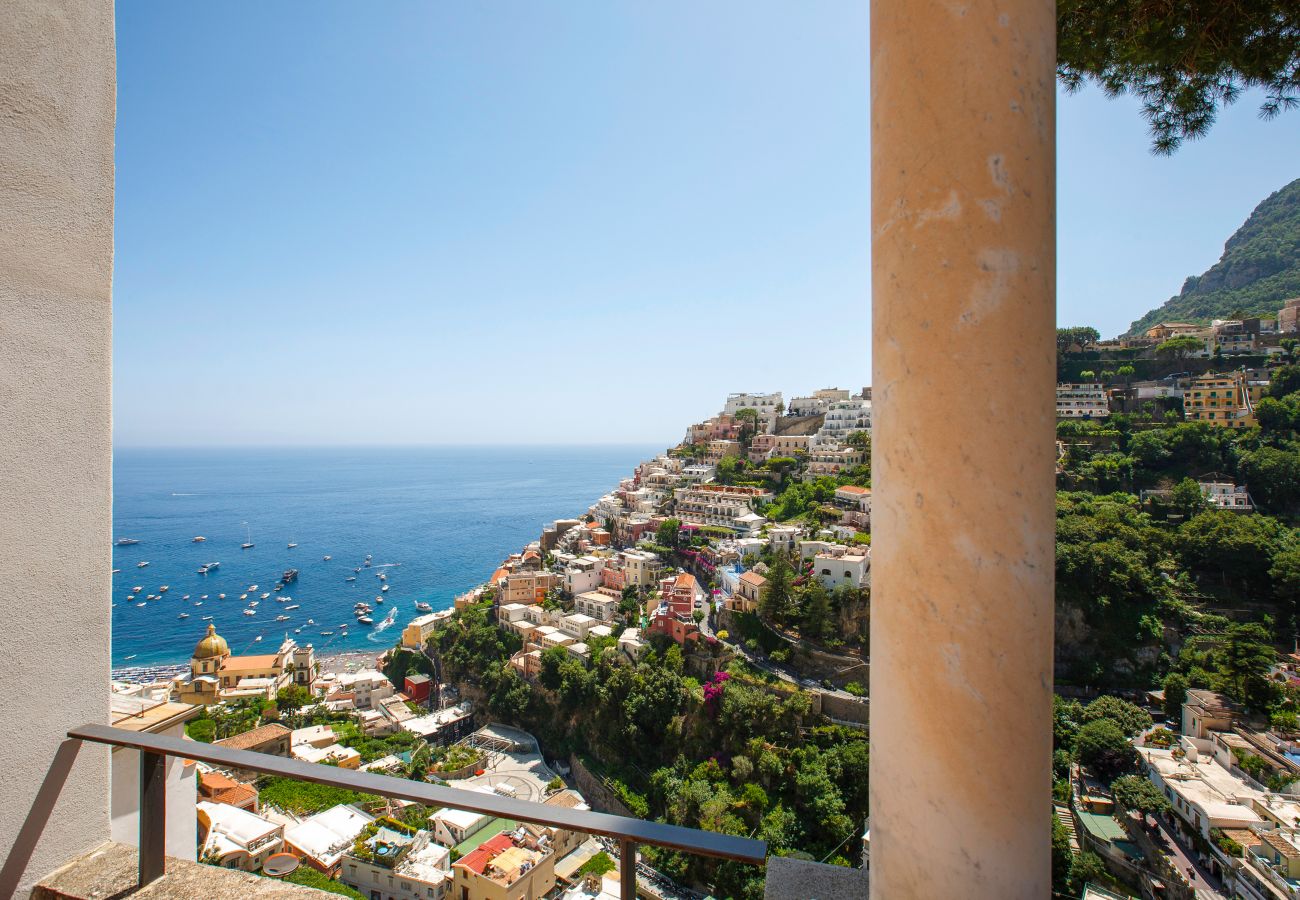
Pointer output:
x,y
787,675
1207,887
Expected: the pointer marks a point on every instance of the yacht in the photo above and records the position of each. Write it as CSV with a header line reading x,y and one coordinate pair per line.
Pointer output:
x,y
248,544
423,607
141,565
198,540
365,620
289,576
126,542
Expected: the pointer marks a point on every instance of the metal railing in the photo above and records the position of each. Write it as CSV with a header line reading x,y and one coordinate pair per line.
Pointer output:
x,y
630,833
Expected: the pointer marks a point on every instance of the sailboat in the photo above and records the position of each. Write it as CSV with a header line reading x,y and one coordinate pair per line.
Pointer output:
x,y
247,545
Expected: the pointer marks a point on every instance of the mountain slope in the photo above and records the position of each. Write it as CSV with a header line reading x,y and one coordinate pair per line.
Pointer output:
x,y
1260,268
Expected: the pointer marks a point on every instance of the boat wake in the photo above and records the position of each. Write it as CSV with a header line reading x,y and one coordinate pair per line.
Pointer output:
x,y
389,619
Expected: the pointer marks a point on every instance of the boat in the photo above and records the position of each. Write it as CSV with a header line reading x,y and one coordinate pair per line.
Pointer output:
x,y
311,621
294,606
141,565
327,558
243,596
151,597
115,571
221,596
297,631
198,539
366,564
365,620
207,618
282,618
357,569
142,603
164,589
248,544
423,607
382,576
256,639
137,589
126,542
252,603
326,633
252,587
289,576
203,597
198,602
132,656
292,545
264,596
183,616
278,588
379,599
186,597
350,578
384,589
250,612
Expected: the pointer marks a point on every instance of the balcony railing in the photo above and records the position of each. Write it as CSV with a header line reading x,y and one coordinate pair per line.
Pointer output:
x,y
630,833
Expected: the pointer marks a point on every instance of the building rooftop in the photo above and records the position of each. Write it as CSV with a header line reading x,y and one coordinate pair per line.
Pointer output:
x,y
258,735
329,834
139,714
232,828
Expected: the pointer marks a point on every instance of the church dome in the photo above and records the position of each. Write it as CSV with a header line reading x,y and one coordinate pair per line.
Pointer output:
x,y
212,645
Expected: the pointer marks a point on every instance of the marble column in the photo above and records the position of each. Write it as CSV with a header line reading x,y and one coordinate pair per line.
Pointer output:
x,y
963,291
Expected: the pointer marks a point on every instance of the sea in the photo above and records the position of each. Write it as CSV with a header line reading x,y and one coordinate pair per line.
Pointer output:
x,y
435,521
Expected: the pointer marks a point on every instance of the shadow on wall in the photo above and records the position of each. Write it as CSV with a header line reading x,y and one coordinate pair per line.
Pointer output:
x,y
42,808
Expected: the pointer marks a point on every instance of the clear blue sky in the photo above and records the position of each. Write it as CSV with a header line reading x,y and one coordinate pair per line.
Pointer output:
x,y
552,222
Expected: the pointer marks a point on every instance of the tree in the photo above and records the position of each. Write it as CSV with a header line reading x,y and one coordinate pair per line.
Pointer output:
x,y
1081,335
1175,696
775,604
816,613
1104,748
1179,347
1087,375
291,698
1285,380
1187,497
1126,372
1182,60
1138,795
1273,475
669,532
1244,660
1128,717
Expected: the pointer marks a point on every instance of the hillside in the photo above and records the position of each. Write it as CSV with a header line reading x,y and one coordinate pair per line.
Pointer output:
x,y
1260,268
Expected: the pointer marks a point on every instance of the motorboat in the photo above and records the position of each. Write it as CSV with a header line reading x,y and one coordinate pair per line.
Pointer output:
x,y
294,606
183,616
252,587
350,578
141,565
289,576
137,589
264,596
198,539
384,589
207,618
292,545
327,558
250,612
126,542
243,596
365,620
423,607
164,589
282,618
221,596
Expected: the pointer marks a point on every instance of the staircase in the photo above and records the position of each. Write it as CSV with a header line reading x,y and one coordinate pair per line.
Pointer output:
x,y
1063,813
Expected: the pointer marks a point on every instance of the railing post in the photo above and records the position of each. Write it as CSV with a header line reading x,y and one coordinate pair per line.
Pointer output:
x,y
153,816
627,869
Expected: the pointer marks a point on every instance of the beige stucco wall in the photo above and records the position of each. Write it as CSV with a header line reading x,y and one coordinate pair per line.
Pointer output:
x,y
57,95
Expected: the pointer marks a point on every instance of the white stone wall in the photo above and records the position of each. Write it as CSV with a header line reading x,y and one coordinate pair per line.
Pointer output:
x,y
57,96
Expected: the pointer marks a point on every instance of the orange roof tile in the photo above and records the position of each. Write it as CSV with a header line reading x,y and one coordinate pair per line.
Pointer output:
x,y
259,735
477,860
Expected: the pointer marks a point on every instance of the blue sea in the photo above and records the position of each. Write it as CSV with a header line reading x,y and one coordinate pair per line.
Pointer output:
x,y
435,520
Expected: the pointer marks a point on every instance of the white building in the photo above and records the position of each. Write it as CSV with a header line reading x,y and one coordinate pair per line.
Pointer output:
x,y
454,826
836,564
718,504
400,867
583,574
764,404
844,417
598,605
367,687
324,838
1081,401
156,716
236,838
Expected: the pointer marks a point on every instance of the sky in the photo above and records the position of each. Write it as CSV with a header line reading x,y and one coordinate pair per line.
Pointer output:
x,y
579,222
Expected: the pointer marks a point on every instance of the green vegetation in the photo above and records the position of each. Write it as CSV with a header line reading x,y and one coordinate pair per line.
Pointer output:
x,y
305,798
309,877
1260,266
597,865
